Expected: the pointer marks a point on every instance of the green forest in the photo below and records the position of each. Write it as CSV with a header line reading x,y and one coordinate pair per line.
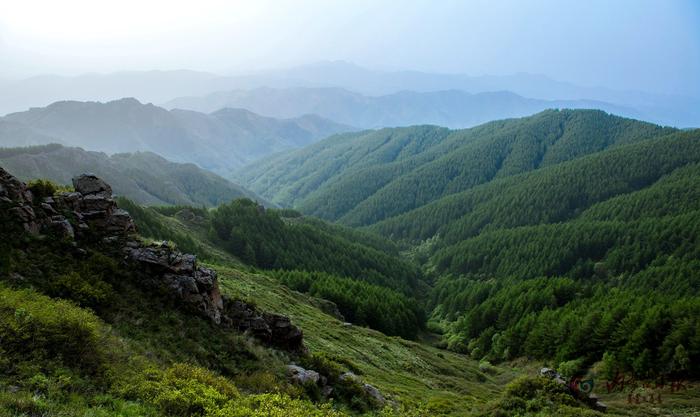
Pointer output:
x,y
569,236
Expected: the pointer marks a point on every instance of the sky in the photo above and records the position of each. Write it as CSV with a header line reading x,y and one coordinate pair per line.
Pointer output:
x,y
647,45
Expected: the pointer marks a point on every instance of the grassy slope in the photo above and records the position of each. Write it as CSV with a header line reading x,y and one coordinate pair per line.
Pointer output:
x,y
413,373
417,373
406,371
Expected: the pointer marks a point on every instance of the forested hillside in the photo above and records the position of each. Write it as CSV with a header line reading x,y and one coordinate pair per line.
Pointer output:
x,y
363,274
142,176
361,179
568,236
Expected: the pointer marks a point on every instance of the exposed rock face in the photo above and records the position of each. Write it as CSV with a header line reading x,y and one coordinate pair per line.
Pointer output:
x,y
90,214
18,200
164,268
12,189
89,184
271,328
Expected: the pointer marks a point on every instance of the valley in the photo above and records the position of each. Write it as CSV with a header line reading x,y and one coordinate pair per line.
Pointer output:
x,y
302,208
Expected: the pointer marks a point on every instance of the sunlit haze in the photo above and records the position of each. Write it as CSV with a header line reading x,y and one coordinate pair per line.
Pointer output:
x,y
642,45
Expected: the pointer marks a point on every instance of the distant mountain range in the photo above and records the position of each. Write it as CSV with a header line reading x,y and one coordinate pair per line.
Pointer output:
x,y
450,108
143,177
163,86
220,141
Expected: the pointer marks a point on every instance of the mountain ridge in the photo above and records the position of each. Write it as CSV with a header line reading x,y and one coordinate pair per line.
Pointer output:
x,y
144,177
219,142
449,108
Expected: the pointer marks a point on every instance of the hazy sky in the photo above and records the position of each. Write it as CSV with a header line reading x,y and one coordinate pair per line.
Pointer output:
x,y
624,44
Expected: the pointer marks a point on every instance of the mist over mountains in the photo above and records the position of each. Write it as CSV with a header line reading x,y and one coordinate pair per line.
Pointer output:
x,y
142,177
219,141
164,86
449,108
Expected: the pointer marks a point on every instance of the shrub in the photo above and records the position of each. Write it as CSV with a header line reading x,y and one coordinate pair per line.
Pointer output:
x,y
41,188
572,368
182,390
88,284
528,396
186,390
37,329
274,405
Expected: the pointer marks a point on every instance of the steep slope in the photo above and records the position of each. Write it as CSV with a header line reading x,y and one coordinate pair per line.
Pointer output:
x,y
600,253
143,176
450,108
99,322
548,195
363,178
220,142
569,237
362,273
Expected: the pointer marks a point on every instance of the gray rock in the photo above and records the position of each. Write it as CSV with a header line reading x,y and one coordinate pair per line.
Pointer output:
x,y
88,184
301,376
374,394
48,209
62,227
197,287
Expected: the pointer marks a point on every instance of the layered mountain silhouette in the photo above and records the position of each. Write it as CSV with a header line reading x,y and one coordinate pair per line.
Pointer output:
x,y
449,108
219,141
163,86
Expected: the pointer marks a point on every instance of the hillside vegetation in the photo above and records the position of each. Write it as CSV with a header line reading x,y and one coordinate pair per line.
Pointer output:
x,y
569,236
143,177
361,179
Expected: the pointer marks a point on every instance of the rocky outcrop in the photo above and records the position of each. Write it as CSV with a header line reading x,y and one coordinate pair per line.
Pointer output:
x,y
271,328
17,200
90,215
178,275
89,184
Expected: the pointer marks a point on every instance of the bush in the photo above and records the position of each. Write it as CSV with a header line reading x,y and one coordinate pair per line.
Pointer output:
x,y
274,405
42,188
88,284
527,396
186,390
53,333
182,390
572,368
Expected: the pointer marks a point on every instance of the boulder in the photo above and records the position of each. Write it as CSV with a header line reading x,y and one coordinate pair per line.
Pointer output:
x,y
373,393
349,376
90,184
301,376
62,227
284,333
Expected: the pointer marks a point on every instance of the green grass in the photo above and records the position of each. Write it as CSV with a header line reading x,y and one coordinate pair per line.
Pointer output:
x,y
407,372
